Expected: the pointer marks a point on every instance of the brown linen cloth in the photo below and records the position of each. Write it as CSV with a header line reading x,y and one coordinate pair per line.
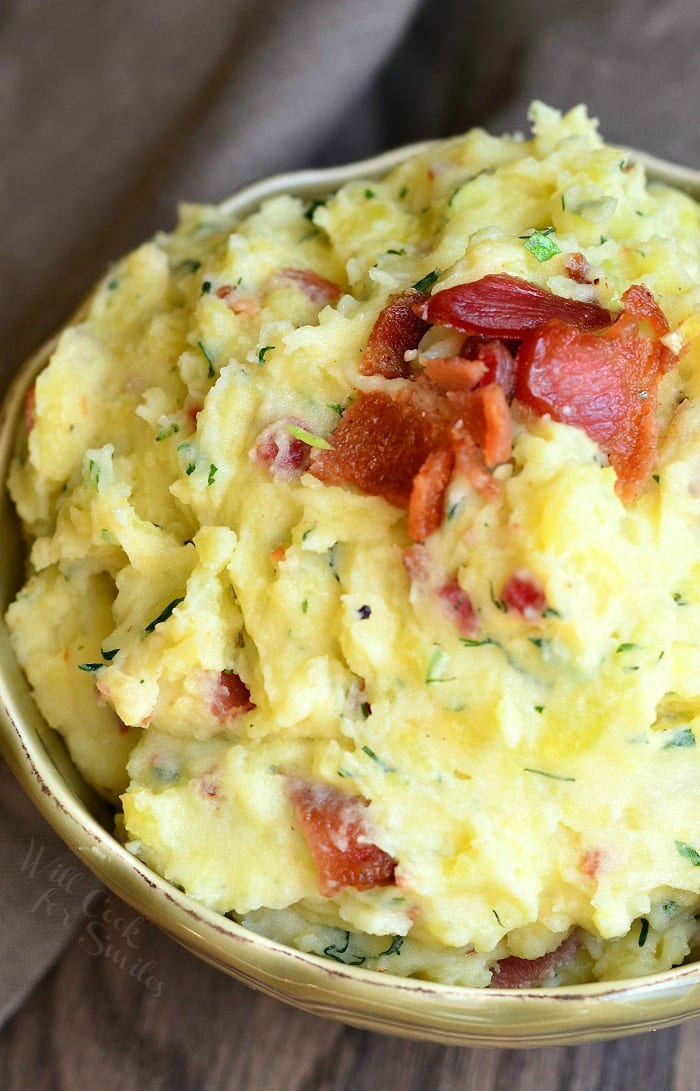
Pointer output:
x,y
112,112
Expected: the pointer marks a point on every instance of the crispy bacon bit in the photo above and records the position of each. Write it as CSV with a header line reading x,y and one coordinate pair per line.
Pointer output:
x,y
193,412
603,383
416,561
523,973
427,501
229,698
500,305
469,462
277,555
459,606
454,372
315,287
283,455
239,304
590,862
30,408
579,268
398,330
524,595
500,367
382,442
486,416
208,788
337,832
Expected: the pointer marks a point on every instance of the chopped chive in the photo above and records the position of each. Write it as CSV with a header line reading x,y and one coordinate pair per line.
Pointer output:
x,y
498,603
655,477
110,654
399,253
366,710
263,353
304,606
550,776
369,194
500,922
470,643
625,648
643,931
208,357
689,852
678,599
206,287
435,664
425,283
213,470
539,708
403,192
165,614
317,202
339,409
189,265
541,245
309,437
93,472
167,430
90,667
382,764
550,612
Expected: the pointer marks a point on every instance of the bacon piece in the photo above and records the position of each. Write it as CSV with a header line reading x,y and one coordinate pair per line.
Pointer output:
x,y
336,830
193,411
283,455
315,287
382,442
229,698
239,304
603,383
500,367
524,595
500,305
487,418
454,372
397,330
523,973
469,462
30,408
579,268
459,606
427,501
416,561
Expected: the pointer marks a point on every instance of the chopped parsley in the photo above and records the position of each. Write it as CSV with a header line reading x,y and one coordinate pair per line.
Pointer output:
x,y
425,283
550,776
689,852
470,643
550,612
110,654
308,437
164,614
90,667
208,357
318,202
263,353
213,470
369,194
167,430
643,931
683,738
336,953
541,245
678,599
625,648
93,472
539,708
337,408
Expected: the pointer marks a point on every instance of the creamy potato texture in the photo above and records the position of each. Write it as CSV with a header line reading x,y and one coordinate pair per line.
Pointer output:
x,y
208,623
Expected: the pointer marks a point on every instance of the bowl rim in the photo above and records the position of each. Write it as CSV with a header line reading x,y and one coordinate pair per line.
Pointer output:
x,y
405,1006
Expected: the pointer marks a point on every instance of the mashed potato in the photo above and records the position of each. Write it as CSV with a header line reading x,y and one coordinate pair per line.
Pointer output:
x,y
380,660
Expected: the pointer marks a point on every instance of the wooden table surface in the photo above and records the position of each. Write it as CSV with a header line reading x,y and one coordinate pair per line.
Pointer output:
x,y
92,1024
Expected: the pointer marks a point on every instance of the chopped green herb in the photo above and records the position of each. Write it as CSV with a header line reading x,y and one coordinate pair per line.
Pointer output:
x,y
625,648
563,203
382,764
541,245
452,510
93,472
426,282
500,922
213,470
369,194
403,192
190,468
113,283
366,710
110,654
168,772
550,776
395,948
335,952
603,240
643,931
333,560
655,477
683,739
90,667
399,253
498,603
206,287
678,599
164,614
437,661
470,643
167,430
263,353
539,708
189,265
345,773
538,641
309,437
689,852
670,907
304,606
307,532
339,409
550,612
318,202
208,357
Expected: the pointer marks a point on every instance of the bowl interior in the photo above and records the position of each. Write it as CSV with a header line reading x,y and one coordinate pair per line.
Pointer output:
x,y
362,998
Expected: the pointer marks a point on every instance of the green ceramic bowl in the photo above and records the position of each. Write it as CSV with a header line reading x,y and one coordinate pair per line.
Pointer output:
x,y
380,1002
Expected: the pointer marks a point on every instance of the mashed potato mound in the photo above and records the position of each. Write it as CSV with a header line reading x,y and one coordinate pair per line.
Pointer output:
x,y
380,660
